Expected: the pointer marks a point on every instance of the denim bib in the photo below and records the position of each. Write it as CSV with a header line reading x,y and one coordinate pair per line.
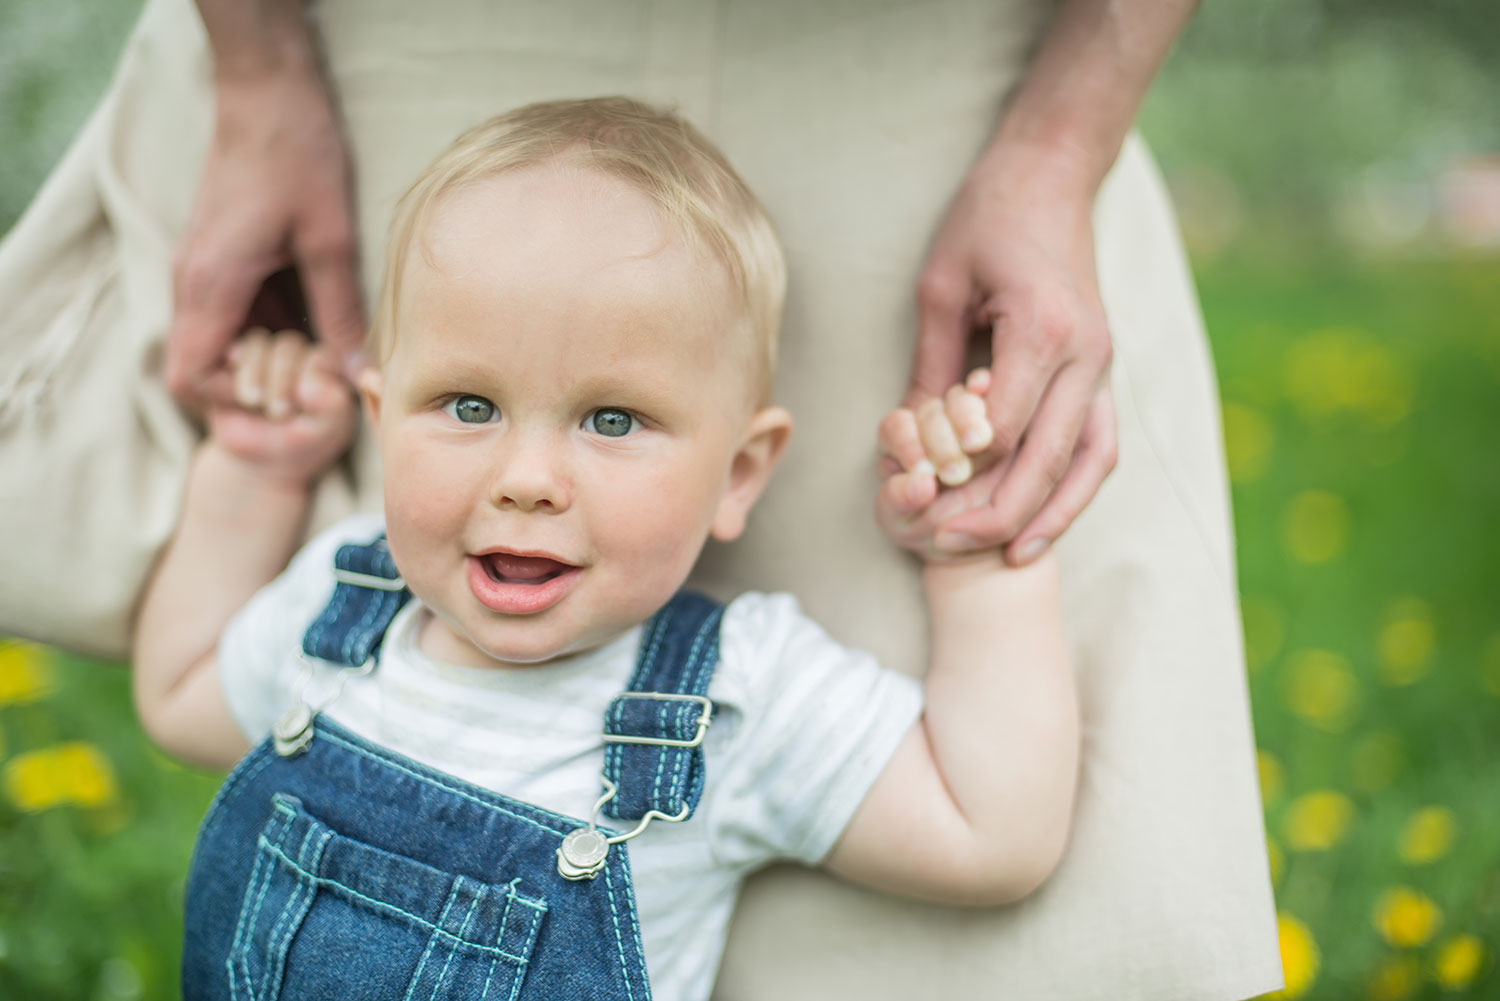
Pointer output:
x,y
331,868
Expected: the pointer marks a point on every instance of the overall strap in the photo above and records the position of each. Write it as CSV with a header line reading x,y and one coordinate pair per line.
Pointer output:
x,y
654,728
366,598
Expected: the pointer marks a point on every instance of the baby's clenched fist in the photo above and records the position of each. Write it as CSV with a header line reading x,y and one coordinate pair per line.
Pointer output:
x,y
294,413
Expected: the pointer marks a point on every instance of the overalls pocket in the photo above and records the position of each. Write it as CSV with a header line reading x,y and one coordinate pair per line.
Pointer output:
x,y
325,916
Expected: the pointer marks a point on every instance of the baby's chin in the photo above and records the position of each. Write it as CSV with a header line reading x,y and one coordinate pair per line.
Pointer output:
x,y
521,651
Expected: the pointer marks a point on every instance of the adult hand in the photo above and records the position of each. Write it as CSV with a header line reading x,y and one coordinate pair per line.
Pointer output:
x,y
1014,257
274,196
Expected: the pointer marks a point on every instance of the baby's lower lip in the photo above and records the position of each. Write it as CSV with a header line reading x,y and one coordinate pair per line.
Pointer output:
x,y
518,597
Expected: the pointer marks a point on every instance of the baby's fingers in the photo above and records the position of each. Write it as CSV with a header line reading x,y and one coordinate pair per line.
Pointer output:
x,y
900,440
283,364
247,361
940,442
971,423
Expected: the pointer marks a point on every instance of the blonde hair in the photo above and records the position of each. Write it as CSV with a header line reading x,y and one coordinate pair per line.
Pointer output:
x,y
654,150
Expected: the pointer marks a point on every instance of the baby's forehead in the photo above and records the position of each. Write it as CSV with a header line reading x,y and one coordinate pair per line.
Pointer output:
x,y
562,220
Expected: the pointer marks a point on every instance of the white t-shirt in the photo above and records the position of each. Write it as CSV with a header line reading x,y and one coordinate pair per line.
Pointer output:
x,y
802,727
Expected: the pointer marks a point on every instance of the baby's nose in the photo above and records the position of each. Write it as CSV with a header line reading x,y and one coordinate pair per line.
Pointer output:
x,y
529,476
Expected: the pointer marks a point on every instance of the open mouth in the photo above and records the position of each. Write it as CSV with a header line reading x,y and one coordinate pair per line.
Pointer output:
x,y
507,568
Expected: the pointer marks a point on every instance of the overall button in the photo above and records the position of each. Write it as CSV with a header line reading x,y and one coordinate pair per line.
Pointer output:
x,y
293,731
582,854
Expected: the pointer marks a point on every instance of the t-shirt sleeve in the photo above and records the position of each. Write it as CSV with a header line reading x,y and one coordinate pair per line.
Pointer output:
x,y
257,655
817,724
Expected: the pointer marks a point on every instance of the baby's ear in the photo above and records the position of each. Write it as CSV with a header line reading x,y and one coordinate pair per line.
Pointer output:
x,y
369,385
754,462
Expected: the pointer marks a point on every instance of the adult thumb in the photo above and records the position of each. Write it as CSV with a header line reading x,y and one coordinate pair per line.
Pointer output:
x,y
942,334
331,282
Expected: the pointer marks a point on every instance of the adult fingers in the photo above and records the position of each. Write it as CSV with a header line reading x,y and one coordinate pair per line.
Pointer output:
x,y
210,298
943,296
1093,461
1030,343
1040,464
327,261
283,365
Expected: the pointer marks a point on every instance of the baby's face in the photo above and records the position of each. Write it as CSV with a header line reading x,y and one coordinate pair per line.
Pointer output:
x,y
559,415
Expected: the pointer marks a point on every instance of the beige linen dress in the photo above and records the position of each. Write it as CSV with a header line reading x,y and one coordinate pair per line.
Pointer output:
x,y
854,122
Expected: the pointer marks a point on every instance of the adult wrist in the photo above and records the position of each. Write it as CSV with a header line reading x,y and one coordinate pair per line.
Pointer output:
x,y
1051,172
257,40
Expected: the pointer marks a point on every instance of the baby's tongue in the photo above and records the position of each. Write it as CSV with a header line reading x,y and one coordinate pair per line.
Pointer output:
x,y
522,569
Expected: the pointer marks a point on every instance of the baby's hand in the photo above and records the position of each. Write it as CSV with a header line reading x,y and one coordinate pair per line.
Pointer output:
x,y
294,413
927,453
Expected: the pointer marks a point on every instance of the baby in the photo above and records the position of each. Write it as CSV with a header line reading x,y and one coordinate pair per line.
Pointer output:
x,y
500,753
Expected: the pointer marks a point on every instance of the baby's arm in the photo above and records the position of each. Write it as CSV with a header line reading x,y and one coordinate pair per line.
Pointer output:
x,y
976,803
247,497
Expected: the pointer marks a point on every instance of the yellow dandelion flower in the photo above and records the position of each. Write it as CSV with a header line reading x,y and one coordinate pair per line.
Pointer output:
x,y
31,781
1396,979
1271,775
1247,442
1376,761
85,774
25,673
1299,957
1321,688
1318,820
1406,642
1315,526
1457,961
1490,665
1405,917
67,773
1265,629
1428,835
1276,859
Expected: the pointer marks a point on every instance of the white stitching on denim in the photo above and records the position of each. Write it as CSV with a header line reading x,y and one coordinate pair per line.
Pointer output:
x,y
275,939
462,794
240,948
364,627
331,613
697,665
334,884
510,897
293,927
519,977
443,973
609,894
432,940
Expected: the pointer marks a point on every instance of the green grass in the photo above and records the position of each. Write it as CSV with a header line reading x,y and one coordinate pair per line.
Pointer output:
x,y
1363,406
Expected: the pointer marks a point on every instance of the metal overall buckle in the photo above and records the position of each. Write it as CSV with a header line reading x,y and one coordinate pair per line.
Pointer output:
x,y
584,850
293,730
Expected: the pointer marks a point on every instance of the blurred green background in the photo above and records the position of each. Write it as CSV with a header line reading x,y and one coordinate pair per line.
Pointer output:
x,y
1337,167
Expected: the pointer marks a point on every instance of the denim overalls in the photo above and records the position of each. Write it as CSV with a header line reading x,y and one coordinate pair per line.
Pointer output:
x,y
328,867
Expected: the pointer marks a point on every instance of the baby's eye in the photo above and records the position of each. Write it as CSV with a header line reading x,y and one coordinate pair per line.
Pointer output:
x,y
471,409
611,423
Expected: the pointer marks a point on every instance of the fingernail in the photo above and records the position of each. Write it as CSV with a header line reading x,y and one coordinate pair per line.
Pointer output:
x,y
914,490
955,542
977,438
277,409
1032,550
955,472
923,468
